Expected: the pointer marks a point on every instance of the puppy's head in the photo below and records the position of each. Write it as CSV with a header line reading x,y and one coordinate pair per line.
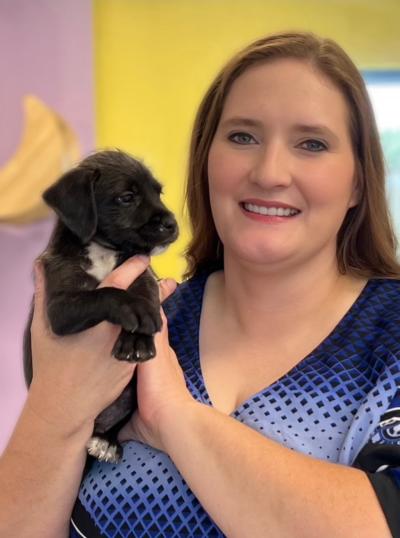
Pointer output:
x,y
112,198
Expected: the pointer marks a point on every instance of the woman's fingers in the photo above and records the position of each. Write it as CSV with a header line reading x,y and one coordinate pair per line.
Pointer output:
x,y
123,276
166,287
39,309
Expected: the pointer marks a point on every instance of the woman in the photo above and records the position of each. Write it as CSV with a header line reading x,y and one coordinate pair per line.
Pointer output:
x,y
273,421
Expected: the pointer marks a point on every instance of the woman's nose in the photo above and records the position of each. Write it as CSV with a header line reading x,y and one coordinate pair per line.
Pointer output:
x,y
271,167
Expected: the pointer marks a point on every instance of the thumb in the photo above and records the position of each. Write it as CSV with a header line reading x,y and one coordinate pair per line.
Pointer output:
x,y
166,287
123,276
39,309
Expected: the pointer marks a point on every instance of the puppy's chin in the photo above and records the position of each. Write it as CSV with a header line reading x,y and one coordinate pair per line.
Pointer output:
x,y
151,247
158,250
133,244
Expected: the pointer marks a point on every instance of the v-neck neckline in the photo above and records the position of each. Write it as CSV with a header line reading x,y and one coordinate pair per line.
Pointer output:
x,y
304,362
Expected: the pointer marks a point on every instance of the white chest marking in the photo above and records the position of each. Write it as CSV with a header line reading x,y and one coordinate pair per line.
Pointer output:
x,y
103,261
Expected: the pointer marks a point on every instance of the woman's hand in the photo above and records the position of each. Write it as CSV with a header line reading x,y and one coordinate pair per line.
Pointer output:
x,y
75,377
161,387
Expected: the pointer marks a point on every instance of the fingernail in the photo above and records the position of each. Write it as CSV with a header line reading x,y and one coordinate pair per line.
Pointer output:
x,y
143,258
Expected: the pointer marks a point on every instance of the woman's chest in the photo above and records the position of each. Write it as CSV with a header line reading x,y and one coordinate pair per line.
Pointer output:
x,y
322,405
234,370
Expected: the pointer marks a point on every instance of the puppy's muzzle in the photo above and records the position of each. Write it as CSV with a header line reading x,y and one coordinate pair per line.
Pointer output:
x,y
164,226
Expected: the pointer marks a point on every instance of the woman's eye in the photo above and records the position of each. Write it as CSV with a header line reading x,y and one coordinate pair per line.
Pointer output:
x,y
313,145
125,199
242,138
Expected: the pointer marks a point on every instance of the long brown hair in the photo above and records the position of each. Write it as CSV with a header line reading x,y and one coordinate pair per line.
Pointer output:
x,y
366,243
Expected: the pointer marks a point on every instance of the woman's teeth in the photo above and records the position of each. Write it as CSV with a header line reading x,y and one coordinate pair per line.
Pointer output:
x,y
271,211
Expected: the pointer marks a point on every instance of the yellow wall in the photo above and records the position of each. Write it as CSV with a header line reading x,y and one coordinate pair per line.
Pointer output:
x,y
155,58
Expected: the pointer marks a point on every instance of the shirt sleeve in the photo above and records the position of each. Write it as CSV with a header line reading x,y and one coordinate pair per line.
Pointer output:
x,y
380,459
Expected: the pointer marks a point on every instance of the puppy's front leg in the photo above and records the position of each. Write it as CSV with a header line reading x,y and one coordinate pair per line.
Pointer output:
x,y
146,294
140,346
71,312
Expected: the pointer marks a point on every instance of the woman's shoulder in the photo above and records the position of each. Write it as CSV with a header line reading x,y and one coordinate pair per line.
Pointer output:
x,y
384,294
381,306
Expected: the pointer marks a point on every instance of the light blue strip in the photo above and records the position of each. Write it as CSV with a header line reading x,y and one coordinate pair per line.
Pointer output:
x,y
391,76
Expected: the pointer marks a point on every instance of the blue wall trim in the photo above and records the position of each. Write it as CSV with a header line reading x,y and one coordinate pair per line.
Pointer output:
x,y
391,76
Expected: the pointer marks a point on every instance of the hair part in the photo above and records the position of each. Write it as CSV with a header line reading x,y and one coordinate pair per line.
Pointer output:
x,y
366,242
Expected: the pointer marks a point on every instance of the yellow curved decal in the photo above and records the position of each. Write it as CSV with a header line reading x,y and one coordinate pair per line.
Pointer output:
x,y
48,148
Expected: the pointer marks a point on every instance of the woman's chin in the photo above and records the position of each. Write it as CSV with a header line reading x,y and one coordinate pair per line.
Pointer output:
x,y
261,256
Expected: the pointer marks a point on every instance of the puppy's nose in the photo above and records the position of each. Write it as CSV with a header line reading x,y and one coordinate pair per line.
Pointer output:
x,y
165,222
168,222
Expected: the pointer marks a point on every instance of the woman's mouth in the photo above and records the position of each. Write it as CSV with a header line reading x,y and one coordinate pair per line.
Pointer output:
x,y
268,212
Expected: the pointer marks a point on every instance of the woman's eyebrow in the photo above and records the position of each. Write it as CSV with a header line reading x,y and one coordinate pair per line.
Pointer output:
x,y
317,129
239,120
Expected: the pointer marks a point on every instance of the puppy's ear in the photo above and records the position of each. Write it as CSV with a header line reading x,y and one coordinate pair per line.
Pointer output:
x,y
72,198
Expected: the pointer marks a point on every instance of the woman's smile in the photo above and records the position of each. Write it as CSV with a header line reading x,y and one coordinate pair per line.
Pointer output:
x,y
269,212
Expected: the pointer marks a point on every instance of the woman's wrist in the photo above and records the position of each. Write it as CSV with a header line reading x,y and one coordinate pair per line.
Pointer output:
x,y
40,472
53,417
179,418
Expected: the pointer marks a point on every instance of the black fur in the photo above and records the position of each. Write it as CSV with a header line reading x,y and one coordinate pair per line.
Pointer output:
x,y
112,200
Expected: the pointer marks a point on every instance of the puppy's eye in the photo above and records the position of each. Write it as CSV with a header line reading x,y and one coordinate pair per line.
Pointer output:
x,y
125,199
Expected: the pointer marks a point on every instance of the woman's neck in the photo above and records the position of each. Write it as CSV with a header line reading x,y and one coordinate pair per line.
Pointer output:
x,y
255,301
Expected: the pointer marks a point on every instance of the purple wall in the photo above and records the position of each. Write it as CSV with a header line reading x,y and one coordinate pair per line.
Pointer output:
x,y
46,50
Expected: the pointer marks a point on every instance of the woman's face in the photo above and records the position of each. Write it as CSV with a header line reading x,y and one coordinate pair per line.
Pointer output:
x,y
281,166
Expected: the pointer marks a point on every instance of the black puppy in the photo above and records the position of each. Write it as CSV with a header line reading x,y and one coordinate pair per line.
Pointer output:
x,y
109,209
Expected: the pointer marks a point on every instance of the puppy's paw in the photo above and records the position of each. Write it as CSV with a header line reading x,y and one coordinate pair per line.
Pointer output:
x,y
128,317
144,347
124,347
134,347
150,321
104,450
137,315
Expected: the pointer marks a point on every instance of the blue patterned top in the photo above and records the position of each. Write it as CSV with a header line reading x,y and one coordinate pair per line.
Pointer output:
x,y
328,406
